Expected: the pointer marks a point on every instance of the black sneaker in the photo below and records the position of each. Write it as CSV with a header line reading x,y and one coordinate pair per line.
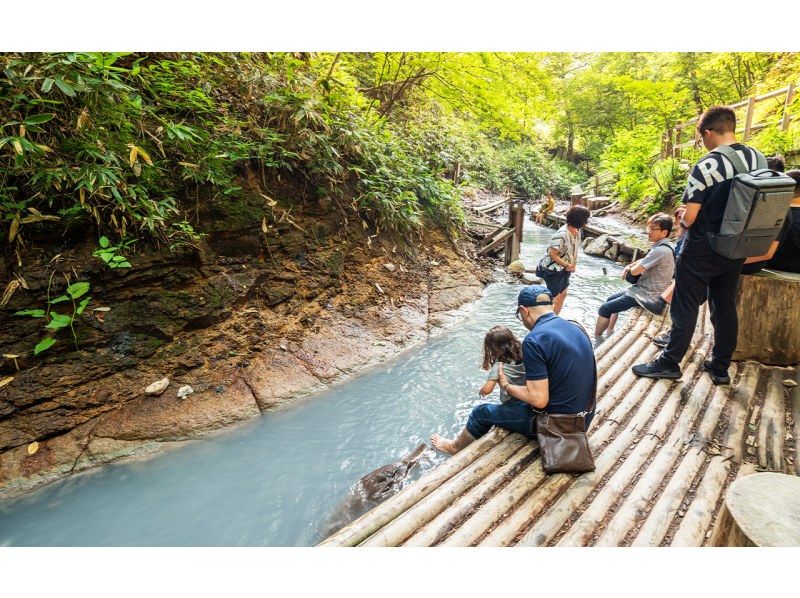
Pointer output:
x,y
656,307
662,340
657,369
716,377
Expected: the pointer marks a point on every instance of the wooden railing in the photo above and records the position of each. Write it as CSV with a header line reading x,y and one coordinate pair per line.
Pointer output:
x,y
671,143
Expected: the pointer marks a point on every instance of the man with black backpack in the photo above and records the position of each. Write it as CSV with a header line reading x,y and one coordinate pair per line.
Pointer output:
x,y
726,223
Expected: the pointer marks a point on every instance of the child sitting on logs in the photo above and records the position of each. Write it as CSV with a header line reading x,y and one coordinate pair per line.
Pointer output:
x,y
499,346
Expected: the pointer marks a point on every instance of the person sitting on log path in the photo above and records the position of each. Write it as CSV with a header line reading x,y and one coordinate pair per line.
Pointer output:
x,y
650,276
702,272
562,255
546,208
558,375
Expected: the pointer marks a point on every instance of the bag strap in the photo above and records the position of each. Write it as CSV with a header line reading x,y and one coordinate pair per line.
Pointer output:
x,y
666,244
739,167
591,407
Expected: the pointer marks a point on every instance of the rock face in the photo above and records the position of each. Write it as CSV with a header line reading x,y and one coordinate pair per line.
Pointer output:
x,y
249,321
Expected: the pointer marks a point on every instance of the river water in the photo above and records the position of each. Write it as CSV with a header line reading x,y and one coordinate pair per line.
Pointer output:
x,y
278,479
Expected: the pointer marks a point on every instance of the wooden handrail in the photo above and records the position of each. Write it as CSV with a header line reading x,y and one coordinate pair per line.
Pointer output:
x,y
671,145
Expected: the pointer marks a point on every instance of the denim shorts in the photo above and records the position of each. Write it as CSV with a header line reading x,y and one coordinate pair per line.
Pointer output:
x,y
616,303
514,415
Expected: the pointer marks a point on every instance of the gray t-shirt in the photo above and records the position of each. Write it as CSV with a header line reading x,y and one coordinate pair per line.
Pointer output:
x,y
515,372
567,246
659,266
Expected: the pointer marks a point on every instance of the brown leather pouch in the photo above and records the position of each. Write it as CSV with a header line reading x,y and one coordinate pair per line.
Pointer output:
x,y
563,444
562,437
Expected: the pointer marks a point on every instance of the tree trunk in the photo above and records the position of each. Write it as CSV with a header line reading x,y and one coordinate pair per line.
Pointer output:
x,y
760,510
769,318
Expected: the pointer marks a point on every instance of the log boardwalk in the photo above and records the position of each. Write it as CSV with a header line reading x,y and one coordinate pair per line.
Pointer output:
x,y
665,453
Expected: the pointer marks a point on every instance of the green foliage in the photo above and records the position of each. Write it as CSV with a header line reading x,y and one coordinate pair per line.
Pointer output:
x,y
56,321
111,254
630,157
144,145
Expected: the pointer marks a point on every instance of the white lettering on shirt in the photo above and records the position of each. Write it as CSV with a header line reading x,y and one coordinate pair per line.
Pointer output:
x,y
694,186
708,168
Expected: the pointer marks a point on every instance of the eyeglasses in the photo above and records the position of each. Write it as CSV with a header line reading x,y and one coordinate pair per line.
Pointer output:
x,y
517,314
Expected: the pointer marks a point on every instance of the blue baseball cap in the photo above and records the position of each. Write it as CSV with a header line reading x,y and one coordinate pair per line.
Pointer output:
x,y
527,296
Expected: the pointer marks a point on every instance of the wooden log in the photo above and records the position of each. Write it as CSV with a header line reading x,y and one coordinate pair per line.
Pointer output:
x,y
696,519
496,507
771,427
740,405
787,118
492,206
496,241
443,524
761,510
617,343
718,527
666,508
403,526
368,523
748,122
769,318
637,503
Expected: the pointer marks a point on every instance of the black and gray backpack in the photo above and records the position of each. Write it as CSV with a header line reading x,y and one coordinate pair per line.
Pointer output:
x,y
757,206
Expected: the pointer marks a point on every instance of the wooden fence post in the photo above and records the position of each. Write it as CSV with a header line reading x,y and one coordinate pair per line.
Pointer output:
x,y
667,151
676,151
786,118
748,122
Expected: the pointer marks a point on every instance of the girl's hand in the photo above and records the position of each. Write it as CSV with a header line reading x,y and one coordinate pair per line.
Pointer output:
x,y
570,267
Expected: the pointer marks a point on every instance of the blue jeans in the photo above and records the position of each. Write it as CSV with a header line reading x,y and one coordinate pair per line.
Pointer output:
x,y
514,415
617,303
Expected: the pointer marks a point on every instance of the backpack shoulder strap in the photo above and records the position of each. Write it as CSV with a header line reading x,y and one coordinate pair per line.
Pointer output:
x,y
761,159
739,167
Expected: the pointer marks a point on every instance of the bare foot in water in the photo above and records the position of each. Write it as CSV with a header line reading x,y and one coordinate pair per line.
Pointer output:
x,y
443,444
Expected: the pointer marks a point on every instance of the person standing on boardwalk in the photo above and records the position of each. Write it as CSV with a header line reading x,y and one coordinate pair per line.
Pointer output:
x,y
562,255
702,272
559,375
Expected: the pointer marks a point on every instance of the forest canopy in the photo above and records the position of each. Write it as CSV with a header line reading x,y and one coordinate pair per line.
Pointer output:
x,y
140,145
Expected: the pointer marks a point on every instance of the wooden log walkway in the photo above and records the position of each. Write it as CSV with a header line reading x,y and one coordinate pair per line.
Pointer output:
x,y
665,452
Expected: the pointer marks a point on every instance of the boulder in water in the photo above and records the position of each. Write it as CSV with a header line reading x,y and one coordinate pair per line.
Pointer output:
x,y
529,278
598,246
516,267
156,388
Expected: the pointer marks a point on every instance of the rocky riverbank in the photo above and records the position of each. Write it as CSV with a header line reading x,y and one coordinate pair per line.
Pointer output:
x,y
250,321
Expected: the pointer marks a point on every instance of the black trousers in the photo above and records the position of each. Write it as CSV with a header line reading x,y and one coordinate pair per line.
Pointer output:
x,y
701,274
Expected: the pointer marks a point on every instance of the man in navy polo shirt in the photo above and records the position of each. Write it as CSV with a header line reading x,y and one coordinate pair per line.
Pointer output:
x,y
559,373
